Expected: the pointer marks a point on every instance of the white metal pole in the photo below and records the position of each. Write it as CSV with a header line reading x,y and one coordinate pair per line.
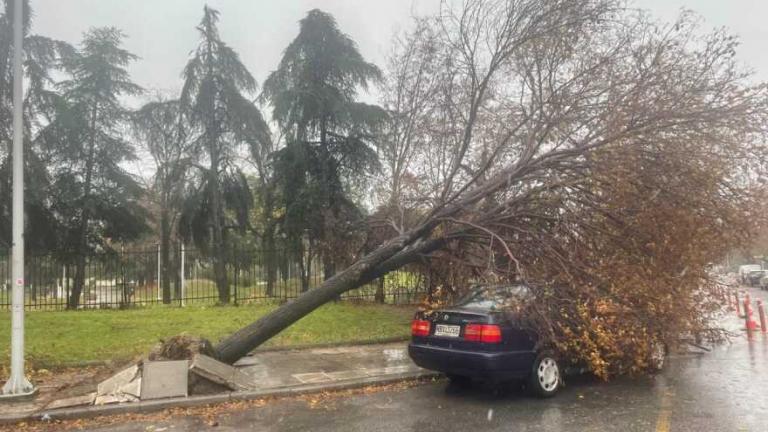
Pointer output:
x,y
17,385
159,288
182,275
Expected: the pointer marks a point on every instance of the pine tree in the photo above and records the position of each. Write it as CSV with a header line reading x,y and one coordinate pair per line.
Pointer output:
x,y
215,101
96,198
329,133
42,57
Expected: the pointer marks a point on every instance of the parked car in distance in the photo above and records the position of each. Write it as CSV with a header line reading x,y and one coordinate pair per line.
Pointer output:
x,y
754,276
745,269
479,338
763,283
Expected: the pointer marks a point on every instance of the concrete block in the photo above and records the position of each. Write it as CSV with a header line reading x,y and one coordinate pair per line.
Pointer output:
x,y
72,402
164,379
133,388
221,373
203,386
113,384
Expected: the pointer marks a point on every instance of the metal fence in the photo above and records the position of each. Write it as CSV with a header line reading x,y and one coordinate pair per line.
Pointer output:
x,y
134,278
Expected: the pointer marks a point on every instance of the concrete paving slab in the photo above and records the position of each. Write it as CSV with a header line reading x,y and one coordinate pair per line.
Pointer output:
x,y
248,361
133,388
114,398
112,385
221,373
312,377
164,379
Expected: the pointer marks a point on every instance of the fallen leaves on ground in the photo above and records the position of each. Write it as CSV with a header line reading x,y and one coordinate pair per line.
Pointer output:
x,y
209,415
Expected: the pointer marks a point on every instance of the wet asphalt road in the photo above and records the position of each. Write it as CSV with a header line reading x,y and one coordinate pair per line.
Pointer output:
x,y
723,390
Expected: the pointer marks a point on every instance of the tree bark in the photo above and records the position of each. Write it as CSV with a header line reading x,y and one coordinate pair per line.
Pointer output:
x,y
175,273
268,245
74,299
379,297
390,256
165,255
219,252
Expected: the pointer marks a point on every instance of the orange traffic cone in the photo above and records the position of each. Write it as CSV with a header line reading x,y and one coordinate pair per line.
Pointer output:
x,y
750,323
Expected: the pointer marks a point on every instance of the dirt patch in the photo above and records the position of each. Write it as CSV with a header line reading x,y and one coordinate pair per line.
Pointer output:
x,y
181,347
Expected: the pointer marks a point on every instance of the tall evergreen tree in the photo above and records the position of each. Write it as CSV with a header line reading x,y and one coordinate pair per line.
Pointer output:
x,y
42,57
329,134
97,198
215,101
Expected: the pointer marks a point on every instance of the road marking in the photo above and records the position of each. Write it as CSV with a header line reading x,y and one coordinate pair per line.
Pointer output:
x,y
662,422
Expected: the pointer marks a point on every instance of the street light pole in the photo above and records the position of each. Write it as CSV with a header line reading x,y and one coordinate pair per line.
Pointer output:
x,y
17,385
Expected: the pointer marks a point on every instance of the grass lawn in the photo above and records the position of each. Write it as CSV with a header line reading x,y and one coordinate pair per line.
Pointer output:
x,y
59,339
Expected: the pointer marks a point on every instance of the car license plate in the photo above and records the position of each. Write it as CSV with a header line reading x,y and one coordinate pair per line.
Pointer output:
x,y
447,330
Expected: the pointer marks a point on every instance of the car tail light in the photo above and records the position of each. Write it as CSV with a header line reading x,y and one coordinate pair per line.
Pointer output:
x,y
420,327
482,333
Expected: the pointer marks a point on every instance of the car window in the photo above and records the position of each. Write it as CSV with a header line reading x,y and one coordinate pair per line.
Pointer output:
x,y
495,297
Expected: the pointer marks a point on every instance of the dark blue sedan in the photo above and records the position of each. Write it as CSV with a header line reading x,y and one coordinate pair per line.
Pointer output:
x,y
480,337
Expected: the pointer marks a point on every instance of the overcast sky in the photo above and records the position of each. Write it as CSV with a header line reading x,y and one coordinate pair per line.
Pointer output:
x,y
162,32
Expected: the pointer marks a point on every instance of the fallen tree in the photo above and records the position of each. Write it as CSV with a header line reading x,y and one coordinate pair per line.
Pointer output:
x,y
604,158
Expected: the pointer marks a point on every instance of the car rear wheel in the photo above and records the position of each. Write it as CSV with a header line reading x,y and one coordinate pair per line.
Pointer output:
x,y
545,379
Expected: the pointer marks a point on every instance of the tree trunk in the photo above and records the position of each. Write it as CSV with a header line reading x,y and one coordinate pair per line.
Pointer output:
x,y
379,297
77,287
82,246
268,244
329,270
175,273
303,270
395,253
388,257
219,252
270,261
165,256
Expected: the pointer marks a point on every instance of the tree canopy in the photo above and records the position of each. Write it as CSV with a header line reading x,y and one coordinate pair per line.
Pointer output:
x,y
329,134
43,57
214,100
97,199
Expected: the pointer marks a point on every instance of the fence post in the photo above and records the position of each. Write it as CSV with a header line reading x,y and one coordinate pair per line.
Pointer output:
x,y
64,284
236,267
157,283
182,274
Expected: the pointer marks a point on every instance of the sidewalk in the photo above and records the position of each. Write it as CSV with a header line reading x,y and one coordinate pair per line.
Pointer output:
x,y
273,373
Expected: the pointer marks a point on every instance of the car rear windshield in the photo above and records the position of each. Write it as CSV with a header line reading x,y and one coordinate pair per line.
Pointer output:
x,y
495,297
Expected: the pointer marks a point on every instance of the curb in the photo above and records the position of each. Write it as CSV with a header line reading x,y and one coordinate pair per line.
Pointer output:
x,y
193,401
